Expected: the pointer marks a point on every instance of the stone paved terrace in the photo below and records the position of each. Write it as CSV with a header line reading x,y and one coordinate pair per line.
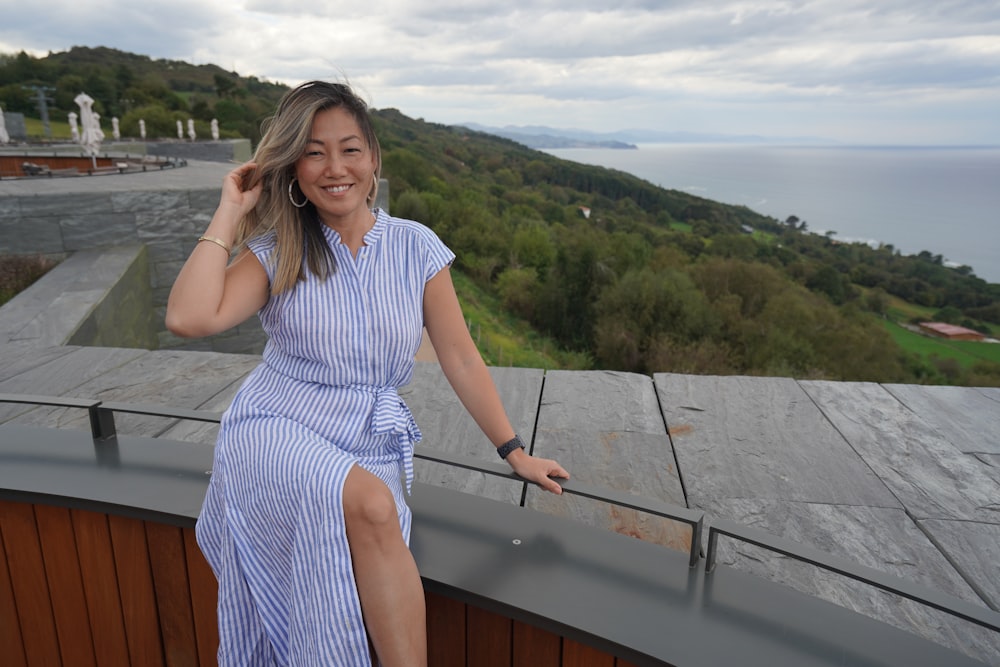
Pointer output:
x,y
901,478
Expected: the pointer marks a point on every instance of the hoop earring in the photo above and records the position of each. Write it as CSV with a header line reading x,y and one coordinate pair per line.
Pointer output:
x,y
291,197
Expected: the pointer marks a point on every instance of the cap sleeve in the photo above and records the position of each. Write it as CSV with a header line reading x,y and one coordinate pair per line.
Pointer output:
x,y
263,249
437,255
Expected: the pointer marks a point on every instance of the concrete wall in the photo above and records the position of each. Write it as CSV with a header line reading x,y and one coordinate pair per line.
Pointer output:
x,y
225,150
97,297
167,221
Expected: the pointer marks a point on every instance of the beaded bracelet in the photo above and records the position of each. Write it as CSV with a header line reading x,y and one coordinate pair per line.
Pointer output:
x,y
217,241
506,448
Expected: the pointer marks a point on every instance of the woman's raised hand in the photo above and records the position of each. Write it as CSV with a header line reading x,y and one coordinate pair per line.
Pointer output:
x,y
235,192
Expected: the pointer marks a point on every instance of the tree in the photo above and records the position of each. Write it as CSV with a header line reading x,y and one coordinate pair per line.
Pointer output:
x,y
224,85
644,307
533,247
827,280
518,289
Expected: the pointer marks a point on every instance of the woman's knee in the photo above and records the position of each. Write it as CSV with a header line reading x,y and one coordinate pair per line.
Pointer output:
x,y
368,503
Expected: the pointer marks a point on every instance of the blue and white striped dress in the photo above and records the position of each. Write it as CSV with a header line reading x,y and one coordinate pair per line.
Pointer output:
x,y
324,398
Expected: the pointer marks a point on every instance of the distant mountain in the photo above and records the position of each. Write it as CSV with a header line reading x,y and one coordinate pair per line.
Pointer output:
x,y
547,137
540,136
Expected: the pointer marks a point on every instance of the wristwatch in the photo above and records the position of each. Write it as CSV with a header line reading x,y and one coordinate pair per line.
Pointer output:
x,y
506,448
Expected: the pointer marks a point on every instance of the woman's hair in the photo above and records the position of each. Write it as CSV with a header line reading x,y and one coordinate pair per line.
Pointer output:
x,y
299,230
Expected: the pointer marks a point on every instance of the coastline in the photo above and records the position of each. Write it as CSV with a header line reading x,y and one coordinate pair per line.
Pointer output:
x,y
942,199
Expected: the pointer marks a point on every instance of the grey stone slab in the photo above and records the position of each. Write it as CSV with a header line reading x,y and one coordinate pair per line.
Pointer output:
x,y
149,200
82,230
885,539
446,426
160,295
246,343
966,416
31,235
81,203
64,375
992,460
20,358
206,432
615,400
56,324
169,341
10,207
743,437
974,549
168,378
175,231
17,312
207,198
992,393
931,477
54,307
95,268
196,175
606,430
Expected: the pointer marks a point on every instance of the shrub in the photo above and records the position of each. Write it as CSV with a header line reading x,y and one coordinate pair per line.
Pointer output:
x,y
17,272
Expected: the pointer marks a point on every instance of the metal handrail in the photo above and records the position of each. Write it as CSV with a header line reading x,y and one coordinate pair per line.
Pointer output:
x,y
103,431
949,604
693,518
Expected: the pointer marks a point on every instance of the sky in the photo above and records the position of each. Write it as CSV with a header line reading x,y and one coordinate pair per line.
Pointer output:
x,y
919,72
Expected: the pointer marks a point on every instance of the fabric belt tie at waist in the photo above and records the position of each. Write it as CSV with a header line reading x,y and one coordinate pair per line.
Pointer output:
x,y
391,415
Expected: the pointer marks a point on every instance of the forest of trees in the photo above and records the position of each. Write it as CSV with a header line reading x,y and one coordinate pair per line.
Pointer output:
x,y
651,280
132,87
656,280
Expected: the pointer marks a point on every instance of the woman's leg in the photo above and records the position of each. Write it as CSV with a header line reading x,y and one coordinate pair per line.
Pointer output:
x,y
392,597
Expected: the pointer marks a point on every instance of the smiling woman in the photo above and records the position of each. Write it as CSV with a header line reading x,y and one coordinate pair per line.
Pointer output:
x,y
306,523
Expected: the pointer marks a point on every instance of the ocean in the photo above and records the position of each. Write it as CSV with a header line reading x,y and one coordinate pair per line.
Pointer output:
x,y
944,200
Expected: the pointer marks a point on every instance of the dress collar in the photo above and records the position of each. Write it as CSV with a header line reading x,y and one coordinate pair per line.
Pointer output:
x,y
371,237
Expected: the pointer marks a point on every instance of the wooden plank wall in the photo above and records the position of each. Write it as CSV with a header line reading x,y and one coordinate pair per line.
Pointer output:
x,y
82,588
461,635
87,589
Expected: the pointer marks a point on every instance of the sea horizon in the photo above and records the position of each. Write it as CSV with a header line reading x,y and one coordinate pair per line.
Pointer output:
x,y
936,198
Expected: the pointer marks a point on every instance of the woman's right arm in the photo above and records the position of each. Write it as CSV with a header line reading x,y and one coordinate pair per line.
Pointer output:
x,y
211,294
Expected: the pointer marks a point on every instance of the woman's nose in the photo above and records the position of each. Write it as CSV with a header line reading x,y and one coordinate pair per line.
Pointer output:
x,y
334,165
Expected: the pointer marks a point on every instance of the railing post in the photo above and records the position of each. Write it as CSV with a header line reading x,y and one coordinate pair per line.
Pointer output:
x,y
102,423
105,435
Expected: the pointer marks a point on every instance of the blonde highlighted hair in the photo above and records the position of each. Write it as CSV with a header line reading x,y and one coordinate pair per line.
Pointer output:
x,y
301,245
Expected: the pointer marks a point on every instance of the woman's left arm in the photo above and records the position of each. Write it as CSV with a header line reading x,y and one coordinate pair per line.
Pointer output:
x,y
464,367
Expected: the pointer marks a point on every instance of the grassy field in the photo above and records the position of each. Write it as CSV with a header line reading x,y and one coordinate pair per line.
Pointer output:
x,y
965,352
35,130
902,311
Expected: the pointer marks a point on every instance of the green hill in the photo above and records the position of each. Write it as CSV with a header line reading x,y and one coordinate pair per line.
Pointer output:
x,y
563,264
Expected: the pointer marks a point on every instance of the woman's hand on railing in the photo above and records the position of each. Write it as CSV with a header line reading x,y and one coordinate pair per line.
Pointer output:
x,y
537,470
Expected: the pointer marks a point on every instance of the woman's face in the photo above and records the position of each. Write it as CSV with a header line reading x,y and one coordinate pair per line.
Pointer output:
x,y
336,171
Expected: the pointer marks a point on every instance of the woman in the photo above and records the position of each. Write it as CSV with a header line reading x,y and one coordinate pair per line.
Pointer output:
x,y
305,522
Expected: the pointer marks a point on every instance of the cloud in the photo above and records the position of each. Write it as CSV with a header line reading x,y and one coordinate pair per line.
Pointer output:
x,y
631,63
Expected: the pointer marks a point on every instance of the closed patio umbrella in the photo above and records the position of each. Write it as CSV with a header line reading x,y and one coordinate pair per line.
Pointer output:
x,y
91,135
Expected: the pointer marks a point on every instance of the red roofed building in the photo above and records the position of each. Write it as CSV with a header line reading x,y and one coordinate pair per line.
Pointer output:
x,y
950,331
